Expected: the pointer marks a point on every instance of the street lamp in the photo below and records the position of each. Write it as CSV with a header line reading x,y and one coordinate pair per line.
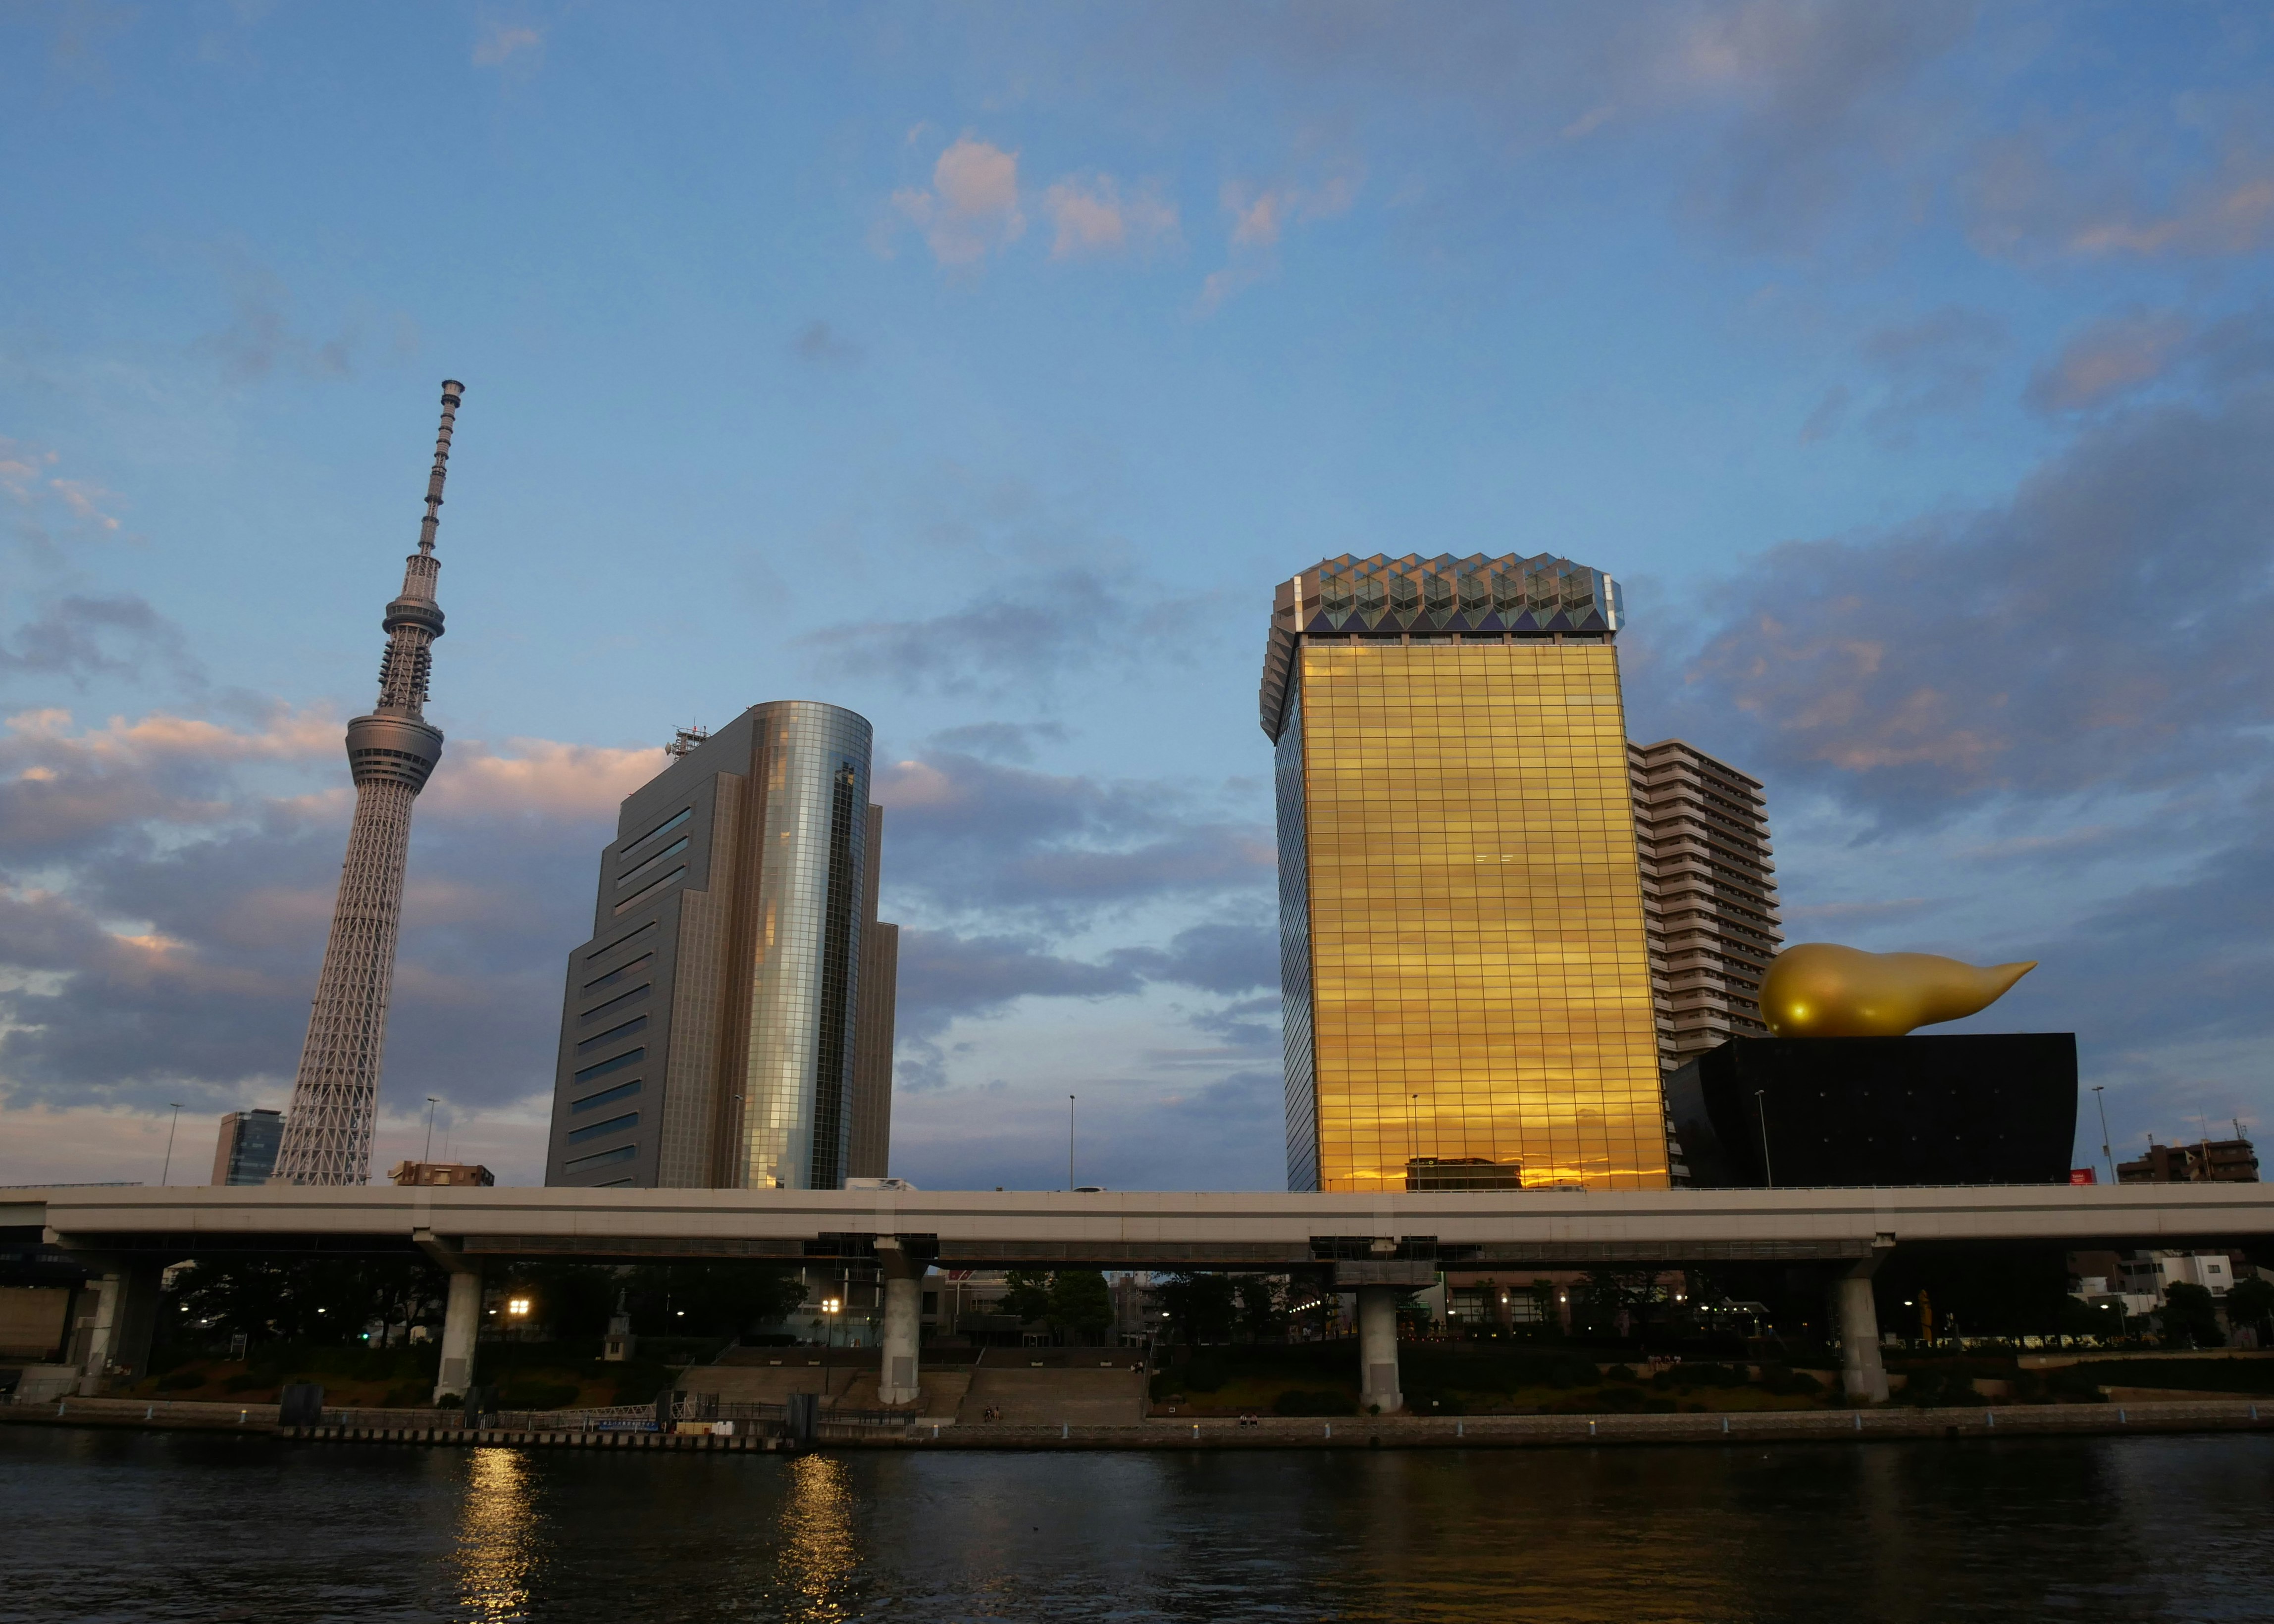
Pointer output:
x,y
1761,1112
431,1103
830,1306
2106,1154
167,1177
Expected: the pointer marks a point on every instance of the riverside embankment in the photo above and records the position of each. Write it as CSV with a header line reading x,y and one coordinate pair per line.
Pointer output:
x,y
1887,1423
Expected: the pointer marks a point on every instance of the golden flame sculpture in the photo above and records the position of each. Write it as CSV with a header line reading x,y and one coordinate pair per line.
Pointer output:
x,y
1816,990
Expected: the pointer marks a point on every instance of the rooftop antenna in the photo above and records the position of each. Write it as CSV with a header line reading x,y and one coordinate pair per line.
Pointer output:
x,y
684,740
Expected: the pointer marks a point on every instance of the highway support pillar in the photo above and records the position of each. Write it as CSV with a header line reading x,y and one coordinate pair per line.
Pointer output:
x,y
1377,1348
113,1337
1862,1376
897,1375
462,1319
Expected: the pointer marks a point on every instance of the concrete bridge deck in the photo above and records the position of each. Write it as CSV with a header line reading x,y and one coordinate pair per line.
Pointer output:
x,y
1138,1228
1375,1243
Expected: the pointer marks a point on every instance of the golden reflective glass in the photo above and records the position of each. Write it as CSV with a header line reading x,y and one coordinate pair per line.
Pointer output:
x,y
497,1535
1479,977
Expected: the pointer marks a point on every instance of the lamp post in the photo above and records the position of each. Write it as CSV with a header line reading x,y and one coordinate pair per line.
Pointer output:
x,y
1069,1144
429,1155
1413,1136
830,1306
167,1175
2107,1155
1761,1113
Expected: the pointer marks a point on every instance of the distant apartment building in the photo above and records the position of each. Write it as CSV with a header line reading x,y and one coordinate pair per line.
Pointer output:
x,y
2153,1274
1709,896
246,1153
2225,1162
730,1024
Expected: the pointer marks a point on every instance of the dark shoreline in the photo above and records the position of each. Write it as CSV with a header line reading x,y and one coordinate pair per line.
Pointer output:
x,y
1342,1432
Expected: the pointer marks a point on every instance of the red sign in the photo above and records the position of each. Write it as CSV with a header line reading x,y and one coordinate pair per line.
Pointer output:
x,y
2082,1176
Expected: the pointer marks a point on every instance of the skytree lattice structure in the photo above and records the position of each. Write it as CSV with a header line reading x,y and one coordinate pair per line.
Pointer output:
x,y
391,752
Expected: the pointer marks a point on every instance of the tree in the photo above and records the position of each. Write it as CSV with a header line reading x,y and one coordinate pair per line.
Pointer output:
x,y
2251,1303
2190,1318
1080,1304
708,1299
1199,1306
566,1299
1262,1307
303,1299
2079,1317
1026,1295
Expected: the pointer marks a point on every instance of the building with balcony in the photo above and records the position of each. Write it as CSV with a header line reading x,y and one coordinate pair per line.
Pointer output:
x,y
1709,896
2233,1161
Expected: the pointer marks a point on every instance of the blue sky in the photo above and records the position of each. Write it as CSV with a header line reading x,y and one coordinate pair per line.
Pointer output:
x,y
981,369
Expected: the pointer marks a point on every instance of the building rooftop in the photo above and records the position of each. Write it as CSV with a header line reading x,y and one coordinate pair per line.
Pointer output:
x,y
1444,596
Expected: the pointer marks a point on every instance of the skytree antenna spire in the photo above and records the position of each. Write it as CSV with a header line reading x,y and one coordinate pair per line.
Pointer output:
x,y
391,752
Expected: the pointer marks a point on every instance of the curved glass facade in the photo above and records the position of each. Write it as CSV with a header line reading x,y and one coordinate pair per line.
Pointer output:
x,y
811,771
731,984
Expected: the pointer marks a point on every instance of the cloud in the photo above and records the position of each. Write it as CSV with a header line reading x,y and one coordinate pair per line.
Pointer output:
x,y
1260,217
1092,218
946,977
2112,357
976,838
2119,358
1818,97
818,344
87,501
262,340
1033,625
2102,630
1931,367
79,637
48,505
1002,741
971,208
540,777
166,883
502,42
1830,412
2099,193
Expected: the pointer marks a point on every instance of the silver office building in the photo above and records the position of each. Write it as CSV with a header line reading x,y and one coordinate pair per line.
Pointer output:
x,y
713,1026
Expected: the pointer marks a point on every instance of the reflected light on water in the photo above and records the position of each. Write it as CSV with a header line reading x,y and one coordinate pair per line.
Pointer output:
x,y
820,1554
497,1536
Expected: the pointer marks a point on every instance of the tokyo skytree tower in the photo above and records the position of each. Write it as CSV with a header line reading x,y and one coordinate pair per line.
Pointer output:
x,y
391,752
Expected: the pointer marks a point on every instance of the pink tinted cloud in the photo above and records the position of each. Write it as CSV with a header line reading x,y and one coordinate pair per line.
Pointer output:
x,y
1260,218
1095,218
971,208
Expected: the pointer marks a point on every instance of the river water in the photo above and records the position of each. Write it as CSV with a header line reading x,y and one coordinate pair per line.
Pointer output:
x,y
100,1525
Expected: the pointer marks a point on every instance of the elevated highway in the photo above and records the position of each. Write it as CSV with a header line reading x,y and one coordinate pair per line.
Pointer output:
x,y
1375,1243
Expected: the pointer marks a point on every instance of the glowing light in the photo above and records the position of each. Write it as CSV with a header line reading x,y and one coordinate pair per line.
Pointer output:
x,y
517,1305
820,1557
497,1536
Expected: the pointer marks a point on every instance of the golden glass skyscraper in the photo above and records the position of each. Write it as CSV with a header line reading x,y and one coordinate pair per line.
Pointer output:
x,y
1464,963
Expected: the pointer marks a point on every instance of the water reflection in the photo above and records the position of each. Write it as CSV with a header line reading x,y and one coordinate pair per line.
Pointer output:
x,y
818,1557
184,1527
497,1552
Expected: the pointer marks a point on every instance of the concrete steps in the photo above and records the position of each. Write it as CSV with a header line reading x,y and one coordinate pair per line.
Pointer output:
x,y
1055,1397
